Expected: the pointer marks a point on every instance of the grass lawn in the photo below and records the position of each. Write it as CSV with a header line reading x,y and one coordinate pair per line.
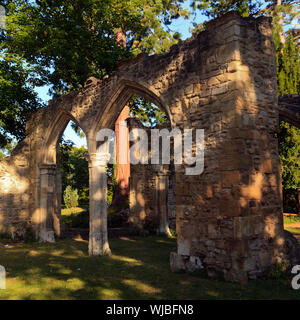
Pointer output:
x,y
138,269
70,211
291,219
295,231
75,217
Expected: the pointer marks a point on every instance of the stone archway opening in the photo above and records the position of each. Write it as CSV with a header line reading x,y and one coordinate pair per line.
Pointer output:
x,y
63,195
140,196
72,163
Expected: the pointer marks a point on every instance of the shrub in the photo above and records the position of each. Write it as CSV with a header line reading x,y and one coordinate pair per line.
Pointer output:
x,y
70,197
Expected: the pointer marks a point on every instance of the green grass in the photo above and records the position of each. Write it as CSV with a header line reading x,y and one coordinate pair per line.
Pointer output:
x,y
75,217
138,269
70,211
293,230
291,219
79,217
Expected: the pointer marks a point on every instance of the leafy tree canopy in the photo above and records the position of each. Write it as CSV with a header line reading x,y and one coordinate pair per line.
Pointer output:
x,y
17,98
217,8
288,70
70,40
147,112
74,169
60,43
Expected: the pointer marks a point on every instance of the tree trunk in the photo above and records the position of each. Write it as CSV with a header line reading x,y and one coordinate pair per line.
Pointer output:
x,y
280,21
122,145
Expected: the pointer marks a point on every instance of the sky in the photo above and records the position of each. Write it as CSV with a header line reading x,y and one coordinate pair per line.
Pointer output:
x,y
180,25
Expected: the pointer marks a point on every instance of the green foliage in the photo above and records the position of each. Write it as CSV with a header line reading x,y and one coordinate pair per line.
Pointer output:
x,y
288,82
70,197
288,68
74,169
147,112
75,218
291,219
60,43
173,234
75,172
2,155
216,8
288,65
110,194
112,185
69,41
17,98
289,146
7,150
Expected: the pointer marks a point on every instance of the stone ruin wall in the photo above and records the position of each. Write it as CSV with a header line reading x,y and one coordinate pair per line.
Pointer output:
x,y
240,226
147,202
223,80
15,193
20,183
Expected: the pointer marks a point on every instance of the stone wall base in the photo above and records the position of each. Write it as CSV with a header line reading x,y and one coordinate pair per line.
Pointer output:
x,y
185,263
251,264
47,236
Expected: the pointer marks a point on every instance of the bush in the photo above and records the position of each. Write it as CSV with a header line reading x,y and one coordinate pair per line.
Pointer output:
x,y
83,196
71,197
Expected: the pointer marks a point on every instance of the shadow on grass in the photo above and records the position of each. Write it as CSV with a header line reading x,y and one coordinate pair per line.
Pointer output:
x,y
138,269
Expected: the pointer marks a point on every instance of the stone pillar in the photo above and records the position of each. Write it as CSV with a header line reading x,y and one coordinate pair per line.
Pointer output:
x,y
47,202
57,211
98,240
162,180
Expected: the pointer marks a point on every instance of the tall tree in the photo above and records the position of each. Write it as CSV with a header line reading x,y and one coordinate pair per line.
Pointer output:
x,y
288,67
64,42
70,40
17,98
74,169
217,8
